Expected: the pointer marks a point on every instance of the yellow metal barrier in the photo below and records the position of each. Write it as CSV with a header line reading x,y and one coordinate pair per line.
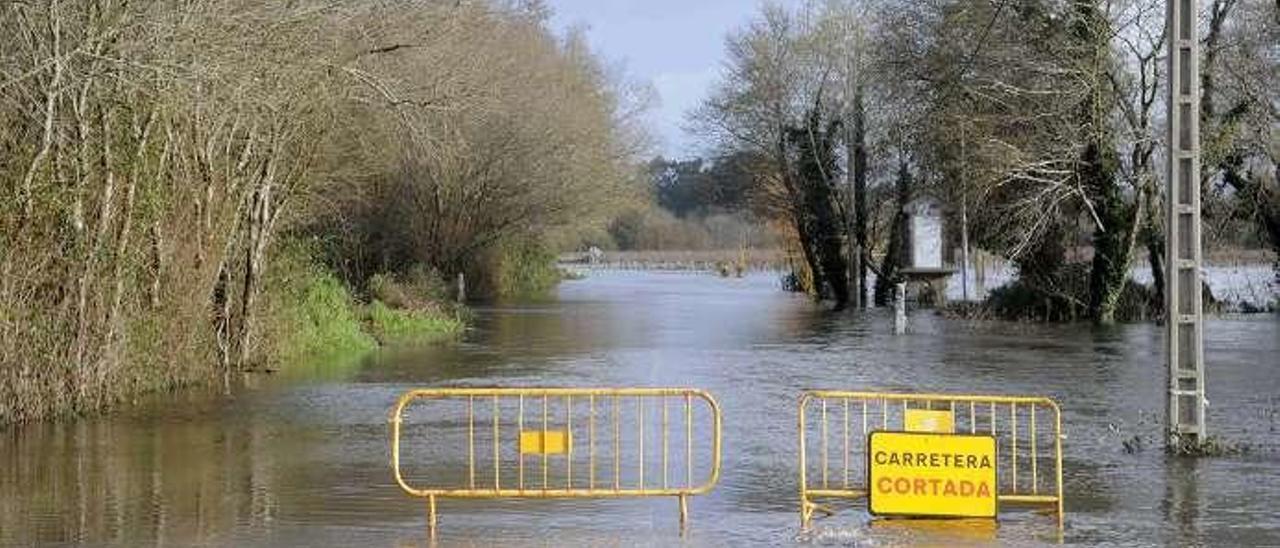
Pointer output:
x,y
1015,422
607,424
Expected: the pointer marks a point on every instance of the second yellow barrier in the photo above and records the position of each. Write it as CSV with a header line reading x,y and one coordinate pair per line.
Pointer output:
x,y
1027,433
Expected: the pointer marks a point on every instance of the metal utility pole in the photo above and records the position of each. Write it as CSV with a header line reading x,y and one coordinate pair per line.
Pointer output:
x,y
1184,319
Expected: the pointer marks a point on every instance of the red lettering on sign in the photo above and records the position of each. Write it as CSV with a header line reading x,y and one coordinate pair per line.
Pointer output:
x,y
902,486
933,487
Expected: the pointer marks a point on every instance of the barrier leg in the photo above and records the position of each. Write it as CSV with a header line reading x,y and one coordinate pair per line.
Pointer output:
x,y
684,514
431,515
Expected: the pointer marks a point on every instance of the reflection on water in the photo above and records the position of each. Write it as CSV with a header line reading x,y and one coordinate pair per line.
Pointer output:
x,y
304,462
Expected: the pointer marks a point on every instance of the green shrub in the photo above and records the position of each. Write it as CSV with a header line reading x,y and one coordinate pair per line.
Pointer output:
x,y
528,269
312,315
419,289
514,268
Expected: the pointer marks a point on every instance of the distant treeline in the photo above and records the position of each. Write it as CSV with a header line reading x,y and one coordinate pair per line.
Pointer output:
x,y
692,204
1039,125
157,158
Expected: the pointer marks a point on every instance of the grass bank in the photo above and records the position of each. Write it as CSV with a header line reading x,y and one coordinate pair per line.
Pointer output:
x,y
314,317
309,322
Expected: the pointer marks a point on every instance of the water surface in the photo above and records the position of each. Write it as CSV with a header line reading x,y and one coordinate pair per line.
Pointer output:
x,y
303,461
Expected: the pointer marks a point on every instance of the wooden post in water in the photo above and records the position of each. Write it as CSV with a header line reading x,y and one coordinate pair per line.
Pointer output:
x,y
1183,257
900,308
462,288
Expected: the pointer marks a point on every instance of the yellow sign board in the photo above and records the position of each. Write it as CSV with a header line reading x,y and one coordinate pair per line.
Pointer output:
x,y
925,420
940,532
555,442
935,475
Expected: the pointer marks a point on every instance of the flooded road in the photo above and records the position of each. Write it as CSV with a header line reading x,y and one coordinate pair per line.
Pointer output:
x,y
303,461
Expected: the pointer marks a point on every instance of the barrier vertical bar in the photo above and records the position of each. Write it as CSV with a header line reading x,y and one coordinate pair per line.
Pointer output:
x,y
864,418
884,414
688,440
973,418
471,441
1013,419
640,413
431,515
591,442
845,482
664,442
993,418
568,427
824,443
497,444
617,447
1035,472
520,450
544,442
804,467
1057,451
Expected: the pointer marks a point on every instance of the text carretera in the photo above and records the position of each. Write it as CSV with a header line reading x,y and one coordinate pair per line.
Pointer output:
x,y
932,460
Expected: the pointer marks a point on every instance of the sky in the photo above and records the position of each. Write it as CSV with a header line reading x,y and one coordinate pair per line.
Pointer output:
x,y
677,46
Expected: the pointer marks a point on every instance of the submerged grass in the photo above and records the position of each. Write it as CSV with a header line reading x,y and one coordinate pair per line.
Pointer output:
x,y
1210,446
402,326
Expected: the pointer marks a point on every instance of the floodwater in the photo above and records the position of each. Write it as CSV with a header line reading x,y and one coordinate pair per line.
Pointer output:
x,y
303,461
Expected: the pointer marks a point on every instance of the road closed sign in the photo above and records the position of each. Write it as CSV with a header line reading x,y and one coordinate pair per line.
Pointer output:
x,y
931,475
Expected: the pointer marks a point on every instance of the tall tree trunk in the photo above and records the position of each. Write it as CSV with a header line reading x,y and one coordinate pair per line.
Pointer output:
x,y
1112,237
255,250
50,112
1099,167
860,197
1153,239
852,252
896,254
796,211
815,177
222,317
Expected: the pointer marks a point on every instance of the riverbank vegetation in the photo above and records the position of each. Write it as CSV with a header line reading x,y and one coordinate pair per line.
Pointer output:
x,y
162,165
1037,126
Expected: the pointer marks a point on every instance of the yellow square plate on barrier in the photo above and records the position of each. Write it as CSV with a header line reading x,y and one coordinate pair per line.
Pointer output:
x,y
934,475
925,420
556,442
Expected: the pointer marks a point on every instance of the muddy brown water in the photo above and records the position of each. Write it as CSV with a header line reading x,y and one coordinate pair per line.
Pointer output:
x,y
302,459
